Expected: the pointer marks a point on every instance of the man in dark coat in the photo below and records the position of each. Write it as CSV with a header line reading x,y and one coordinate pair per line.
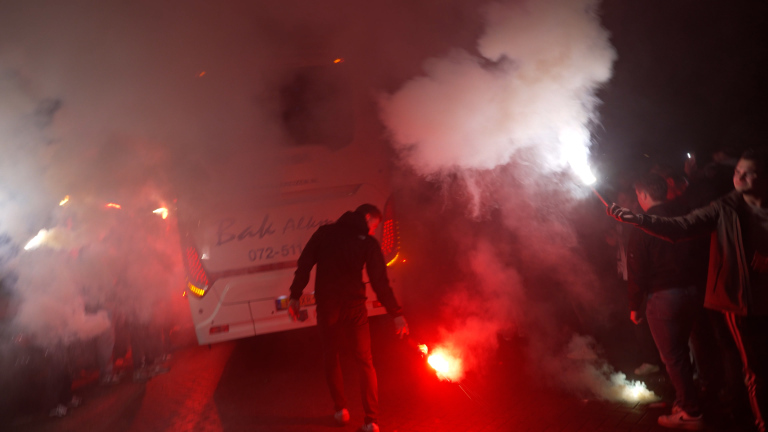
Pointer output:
x,y
668,279
341,250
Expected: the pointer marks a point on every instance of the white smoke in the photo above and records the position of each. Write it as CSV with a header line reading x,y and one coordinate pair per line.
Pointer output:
x,y
137,103
502,124
540,64
140,103
26,157
53,302
582,370
105,104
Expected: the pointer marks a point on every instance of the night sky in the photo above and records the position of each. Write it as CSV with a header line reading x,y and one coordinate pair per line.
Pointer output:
x,y
690,76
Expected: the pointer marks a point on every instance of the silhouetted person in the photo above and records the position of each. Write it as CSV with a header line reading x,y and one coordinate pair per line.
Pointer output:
x,y
665,277
341,250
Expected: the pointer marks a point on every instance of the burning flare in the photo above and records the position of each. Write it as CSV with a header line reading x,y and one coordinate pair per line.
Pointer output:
x,y
162,211
575,141
36,240
113,205
64,201
446,365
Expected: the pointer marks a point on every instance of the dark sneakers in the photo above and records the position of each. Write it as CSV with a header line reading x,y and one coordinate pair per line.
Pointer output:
x,y
341,417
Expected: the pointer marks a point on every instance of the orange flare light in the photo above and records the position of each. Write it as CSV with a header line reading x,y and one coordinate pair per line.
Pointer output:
x,y
447,366
64,201
113,205
439,363
339,60
162,211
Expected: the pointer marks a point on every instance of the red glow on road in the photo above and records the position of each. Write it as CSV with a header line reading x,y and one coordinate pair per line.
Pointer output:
x,y
184,398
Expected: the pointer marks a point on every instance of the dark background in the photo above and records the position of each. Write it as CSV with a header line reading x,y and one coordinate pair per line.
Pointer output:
x,y
690,77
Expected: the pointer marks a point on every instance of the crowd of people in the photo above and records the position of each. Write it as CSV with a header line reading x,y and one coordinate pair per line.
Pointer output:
x,y
46,377
121,330
696,267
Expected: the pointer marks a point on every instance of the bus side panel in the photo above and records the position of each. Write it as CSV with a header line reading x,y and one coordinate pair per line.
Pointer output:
x,y
209,313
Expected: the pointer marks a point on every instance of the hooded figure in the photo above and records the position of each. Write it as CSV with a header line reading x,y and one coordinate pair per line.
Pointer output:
x,y
341,250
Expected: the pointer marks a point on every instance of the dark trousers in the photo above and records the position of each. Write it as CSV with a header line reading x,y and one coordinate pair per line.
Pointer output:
x,y
58,388
343,324
717,360
671,314
751,336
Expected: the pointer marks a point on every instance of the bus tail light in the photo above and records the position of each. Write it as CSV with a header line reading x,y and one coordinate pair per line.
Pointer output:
x,y
197,278
219,329
390,234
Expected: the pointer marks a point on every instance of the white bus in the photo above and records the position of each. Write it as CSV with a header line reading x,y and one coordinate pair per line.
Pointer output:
x,y
240,252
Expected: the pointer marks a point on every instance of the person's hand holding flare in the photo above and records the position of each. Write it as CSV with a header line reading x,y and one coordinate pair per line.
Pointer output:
x,y
622,214
401,326
294,308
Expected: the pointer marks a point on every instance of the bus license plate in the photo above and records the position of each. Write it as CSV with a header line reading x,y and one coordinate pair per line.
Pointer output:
x,y
281,303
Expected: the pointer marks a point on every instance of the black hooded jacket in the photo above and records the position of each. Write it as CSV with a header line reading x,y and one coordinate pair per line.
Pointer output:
x,y
340,250
654,264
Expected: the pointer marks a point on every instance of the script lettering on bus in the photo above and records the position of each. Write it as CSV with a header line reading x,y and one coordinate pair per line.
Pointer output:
x,y
303,224
225,236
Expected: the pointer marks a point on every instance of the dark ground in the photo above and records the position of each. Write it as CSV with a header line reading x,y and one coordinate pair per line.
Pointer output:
x,y
274,383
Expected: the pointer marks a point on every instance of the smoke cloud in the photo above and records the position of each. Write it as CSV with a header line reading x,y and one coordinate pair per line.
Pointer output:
x,y
142,103
128,105
498,130
538,67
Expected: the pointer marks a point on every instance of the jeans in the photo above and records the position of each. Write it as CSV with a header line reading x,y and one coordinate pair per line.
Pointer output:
x,y
646,347
339,324
671,314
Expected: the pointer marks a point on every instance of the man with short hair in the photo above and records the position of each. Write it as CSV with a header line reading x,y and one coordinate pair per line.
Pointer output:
x,y
341,250
737,284
665,277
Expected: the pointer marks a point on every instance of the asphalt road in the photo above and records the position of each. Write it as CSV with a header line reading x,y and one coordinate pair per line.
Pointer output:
x,y
274,383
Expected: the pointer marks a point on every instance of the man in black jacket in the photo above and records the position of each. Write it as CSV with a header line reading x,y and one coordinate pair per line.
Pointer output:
x,y
669,280
340,250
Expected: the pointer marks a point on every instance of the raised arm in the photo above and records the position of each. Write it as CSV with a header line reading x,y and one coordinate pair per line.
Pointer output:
x,y
696,223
